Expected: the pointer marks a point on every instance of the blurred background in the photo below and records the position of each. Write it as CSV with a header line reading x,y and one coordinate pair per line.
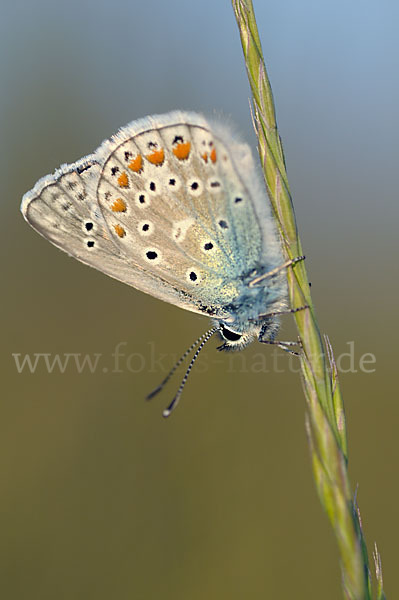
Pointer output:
x,y
101,497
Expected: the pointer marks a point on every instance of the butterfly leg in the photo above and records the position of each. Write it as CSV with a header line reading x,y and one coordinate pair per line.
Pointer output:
x,y
273,272
284,312
283,345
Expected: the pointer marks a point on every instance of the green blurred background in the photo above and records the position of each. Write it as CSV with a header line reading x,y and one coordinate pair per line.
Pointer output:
x,y
100,497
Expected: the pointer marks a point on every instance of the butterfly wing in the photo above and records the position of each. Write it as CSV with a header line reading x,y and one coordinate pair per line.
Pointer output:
x,y
162,206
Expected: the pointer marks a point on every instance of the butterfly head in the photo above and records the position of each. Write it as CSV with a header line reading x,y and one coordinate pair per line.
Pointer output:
x,y
238,337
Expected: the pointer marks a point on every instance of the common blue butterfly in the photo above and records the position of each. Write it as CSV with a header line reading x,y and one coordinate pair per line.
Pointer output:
x,y
174,206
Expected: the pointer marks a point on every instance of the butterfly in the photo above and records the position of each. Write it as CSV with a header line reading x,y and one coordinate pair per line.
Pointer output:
x,y
174,206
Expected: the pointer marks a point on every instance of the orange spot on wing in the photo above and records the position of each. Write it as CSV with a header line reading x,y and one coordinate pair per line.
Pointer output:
x,y
213,155
157,157
136,164
118,205
119,231
123,180
205,156
182,150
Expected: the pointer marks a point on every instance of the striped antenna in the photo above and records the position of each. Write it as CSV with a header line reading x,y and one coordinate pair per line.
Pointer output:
x,y
176,399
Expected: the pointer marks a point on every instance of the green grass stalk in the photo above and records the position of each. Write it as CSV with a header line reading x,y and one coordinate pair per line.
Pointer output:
x,y
325,417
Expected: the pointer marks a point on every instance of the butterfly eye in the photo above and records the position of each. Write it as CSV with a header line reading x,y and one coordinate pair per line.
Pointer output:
x,y
230,335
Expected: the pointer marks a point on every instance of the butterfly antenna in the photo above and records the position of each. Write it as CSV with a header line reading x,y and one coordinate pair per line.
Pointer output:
x,y
176,399
176,366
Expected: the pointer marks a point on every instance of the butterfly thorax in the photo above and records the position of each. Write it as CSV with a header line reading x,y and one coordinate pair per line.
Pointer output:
x,y
244,322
